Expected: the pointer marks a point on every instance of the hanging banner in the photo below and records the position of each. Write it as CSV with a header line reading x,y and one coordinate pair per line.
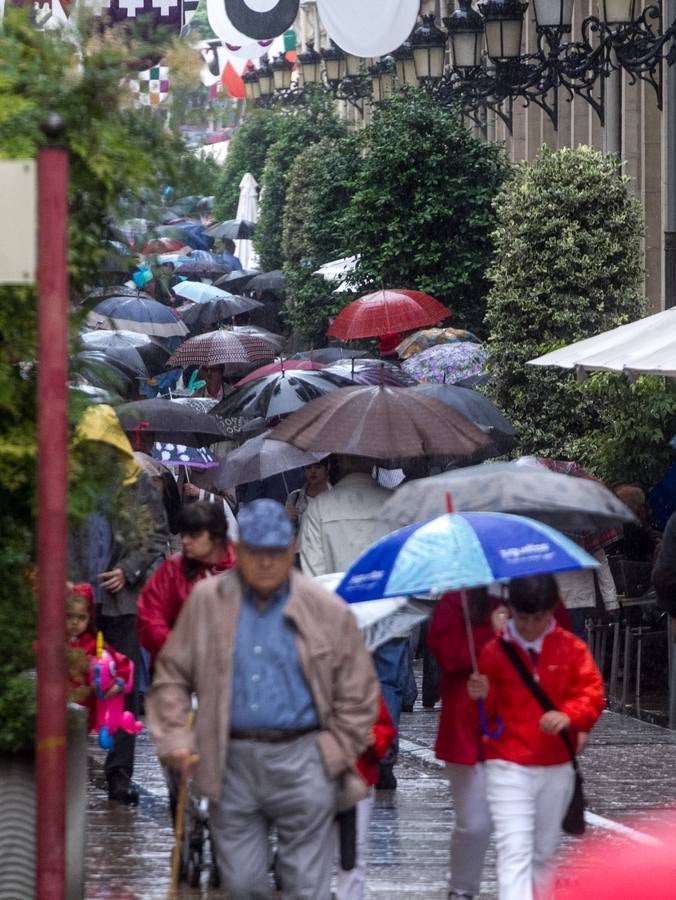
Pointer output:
x,y
369,27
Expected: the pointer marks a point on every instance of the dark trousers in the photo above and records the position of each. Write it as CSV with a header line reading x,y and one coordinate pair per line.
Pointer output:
x,y
391,661
120,632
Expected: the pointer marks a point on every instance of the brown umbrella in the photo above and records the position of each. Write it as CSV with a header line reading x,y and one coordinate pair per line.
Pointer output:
x,y
223,347
381,423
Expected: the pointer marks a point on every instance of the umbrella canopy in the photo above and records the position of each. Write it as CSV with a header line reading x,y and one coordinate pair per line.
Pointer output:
x,y
145,316
573,504
337,269
459,550
478,409
166,419
260,458
171,454
331,354
267,281
381,423
162,245
236,280
207,313
386,312
233,229
222,347
278,394
247,208
197,292
430,337
644,347
372,371
136,351
282,365
202,268
276,341
447,363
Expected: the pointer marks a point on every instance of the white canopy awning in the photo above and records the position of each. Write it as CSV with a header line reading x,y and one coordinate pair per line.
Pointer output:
x,y
644,347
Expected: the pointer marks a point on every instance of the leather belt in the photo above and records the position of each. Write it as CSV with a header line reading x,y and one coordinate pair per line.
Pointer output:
x,y
272,735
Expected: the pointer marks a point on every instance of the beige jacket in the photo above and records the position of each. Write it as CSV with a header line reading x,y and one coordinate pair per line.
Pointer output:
x,y
339,525
198,657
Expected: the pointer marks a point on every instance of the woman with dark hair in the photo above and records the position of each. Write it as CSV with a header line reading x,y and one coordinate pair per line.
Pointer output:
x,y
206,551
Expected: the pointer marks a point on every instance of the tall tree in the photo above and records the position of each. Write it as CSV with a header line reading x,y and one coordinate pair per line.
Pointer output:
x,y
421,215
568,265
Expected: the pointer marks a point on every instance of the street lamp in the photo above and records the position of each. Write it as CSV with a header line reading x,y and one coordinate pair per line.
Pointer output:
x,y
334,62
504,25
388,73
466,32
429,50
405,64
556,15
352,65
619,12
265,78
251,85
310,65
281,73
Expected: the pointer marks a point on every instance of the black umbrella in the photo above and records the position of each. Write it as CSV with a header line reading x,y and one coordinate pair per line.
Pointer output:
x,y
267,281
199,268
478,409
100,371
278,394
236,280
233,229
168,420
210,312
137,352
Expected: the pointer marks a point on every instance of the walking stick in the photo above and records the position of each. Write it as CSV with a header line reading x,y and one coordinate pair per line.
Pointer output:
x,y
179,826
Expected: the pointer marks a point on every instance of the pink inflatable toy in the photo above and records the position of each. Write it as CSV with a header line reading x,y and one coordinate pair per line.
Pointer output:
x,y
110,712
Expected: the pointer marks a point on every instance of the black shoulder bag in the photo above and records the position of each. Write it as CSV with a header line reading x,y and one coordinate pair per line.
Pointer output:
x,y
573,821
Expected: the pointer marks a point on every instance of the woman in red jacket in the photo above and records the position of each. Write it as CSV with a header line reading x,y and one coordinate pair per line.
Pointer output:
x,y
529,776
459,736
206,551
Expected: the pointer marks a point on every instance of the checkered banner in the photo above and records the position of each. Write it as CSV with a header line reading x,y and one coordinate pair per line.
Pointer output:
x,y
151,87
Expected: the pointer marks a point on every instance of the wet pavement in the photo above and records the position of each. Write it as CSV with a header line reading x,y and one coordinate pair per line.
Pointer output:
x,y
630,770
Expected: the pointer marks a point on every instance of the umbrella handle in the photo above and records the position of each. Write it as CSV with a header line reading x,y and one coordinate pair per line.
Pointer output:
x,y
495,733
483,715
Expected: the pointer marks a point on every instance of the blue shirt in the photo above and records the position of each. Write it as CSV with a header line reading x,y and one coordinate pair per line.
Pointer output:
x,y
269,690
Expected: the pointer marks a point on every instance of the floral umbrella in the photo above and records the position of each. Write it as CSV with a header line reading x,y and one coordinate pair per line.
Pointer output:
x,y
447,363
430,337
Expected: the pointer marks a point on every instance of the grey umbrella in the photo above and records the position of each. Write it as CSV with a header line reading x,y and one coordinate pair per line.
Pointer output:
x,y
578,505
478,409
261,458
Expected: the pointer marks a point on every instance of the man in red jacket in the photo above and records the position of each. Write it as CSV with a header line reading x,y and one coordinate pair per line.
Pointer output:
x,y
529,776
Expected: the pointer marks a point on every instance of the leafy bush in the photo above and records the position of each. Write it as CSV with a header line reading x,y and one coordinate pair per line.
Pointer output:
x,y
320,189
421,215
568,265
246,153
296,130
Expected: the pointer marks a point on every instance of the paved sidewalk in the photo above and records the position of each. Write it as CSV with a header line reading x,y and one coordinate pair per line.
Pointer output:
x,y
630,769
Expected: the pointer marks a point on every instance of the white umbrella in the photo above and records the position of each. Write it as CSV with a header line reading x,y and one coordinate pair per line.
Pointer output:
x,y
644,347
338,270
247,208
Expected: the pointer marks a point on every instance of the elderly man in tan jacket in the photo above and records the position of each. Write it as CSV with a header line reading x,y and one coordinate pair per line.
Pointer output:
x,y
287,696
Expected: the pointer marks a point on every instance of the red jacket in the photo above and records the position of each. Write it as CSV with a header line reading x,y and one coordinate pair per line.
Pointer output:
x,y
458,738
164,594
567,673
81,651
383,733
459,735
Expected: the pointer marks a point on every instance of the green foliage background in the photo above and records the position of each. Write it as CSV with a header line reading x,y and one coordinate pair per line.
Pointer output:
x,y
112,151
568,265
247,153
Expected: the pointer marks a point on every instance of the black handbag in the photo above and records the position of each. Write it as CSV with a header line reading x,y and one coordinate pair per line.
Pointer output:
x,y
573,821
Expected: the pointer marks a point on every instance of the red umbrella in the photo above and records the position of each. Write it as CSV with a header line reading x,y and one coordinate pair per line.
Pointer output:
x,y
285,365
387,312
162,245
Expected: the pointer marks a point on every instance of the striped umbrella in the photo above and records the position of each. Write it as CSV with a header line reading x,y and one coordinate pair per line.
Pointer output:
x,y
222,347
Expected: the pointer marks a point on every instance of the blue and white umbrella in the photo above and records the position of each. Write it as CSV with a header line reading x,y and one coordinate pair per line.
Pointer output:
x,y
456,551
139,314
180,455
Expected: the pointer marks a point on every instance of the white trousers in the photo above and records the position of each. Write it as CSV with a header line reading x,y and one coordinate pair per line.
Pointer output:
x,y
472,830
350,885
527,805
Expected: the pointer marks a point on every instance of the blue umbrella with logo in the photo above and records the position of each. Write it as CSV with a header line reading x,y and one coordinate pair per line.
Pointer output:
x,y
457,551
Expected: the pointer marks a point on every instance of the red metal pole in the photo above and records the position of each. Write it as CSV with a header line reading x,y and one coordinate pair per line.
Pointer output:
x,y
52,184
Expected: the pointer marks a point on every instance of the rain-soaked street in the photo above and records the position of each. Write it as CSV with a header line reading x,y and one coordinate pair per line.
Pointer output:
x,y
630,769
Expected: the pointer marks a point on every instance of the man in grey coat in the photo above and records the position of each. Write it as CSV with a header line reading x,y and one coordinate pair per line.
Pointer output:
x,y
287,696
